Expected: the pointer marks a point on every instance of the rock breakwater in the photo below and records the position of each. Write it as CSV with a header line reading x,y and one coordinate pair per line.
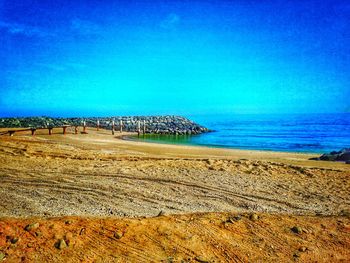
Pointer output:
x,y
337,156
150,124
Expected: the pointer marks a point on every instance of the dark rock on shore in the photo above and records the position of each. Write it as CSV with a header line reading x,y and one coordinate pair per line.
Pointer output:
x,y
342,155
152,124
297,229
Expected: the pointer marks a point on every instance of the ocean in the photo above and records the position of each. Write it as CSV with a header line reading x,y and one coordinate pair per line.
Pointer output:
x,y
309,133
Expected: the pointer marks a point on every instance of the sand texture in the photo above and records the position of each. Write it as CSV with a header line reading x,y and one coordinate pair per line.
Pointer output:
x,y
104,184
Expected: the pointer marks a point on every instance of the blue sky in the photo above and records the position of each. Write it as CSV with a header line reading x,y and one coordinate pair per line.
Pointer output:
x,y
75,58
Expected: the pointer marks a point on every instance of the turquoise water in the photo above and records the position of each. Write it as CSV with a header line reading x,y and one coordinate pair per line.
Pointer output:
x,y
316,133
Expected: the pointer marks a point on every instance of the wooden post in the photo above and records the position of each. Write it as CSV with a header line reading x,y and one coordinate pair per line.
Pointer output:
x,y
121,125
50,131
76,129
144,126
84,127
33,131
113,124
64,130
138,128
98,125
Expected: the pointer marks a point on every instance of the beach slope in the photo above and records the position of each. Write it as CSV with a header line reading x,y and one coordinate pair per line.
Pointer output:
x,y
105,185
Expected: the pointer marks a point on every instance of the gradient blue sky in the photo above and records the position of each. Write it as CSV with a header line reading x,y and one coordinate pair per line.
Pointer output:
x,y
173,57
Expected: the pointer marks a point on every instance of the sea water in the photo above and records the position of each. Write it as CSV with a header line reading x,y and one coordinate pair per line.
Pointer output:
x,y
314,133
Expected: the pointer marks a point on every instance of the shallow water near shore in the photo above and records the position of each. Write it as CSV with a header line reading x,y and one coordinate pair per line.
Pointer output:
x,y
311,133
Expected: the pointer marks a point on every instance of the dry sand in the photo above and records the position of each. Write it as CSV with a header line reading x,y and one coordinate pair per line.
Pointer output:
x,y
99,175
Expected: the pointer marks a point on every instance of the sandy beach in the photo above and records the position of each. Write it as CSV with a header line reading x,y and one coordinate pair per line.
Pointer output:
x,y
174,131
172,203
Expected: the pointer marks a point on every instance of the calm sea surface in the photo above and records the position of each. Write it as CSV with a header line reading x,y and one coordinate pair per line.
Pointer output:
x,y
315,133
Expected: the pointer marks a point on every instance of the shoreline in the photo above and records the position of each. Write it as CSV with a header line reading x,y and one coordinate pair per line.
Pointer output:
x,y
129,136
212,146
163,150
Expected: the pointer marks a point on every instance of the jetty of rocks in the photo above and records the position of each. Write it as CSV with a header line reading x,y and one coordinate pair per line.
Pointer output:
x,y
147,124
339,156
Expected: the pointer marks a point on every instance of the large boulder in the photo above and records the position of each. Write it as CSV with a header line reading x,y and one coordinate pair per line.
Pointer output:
x,y
342,155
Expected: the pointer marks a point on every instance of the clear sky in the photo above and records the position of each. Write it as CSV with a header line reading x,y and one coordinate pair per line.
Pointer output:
x,y
86,57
